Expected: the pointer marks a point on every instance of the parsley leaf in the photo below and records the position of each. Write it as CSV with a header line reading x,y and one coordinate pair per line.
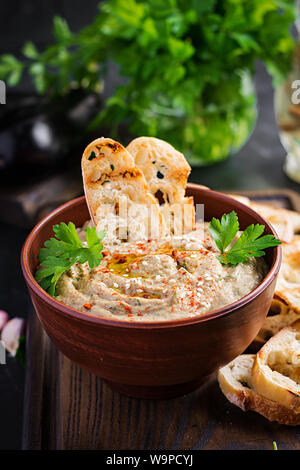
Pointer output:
x,y
224,231
186,67
21,351
250,243
60,253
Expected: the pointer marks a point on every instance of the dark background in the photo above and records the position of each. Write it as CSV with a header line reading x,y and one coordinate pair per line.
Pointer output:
x,y
258,165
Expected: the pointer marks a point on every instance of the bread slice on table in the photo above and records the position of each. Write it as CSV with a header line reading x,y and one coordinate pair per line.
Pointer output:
x,y
280,315
235,381
286,223
276,368
285,308
243,199
287,289
166,171
271,326
117,194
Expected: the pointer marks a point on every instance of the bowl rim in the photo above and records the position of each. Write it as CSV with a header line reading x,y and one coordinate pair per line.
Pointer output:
x,y
91,318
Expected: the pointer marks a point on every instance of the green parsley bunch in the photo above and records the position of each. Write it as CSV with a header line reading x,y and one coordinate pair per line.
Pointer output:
x,y
184,63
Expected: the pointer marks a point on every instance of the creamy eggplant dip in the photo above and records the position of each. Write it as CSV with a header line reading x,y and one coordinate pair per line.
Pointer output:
x,y
159,280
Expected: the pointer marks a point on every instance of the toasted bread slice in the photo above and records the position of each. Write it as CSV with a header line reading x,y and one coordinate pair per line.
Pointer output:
x,y
279,316
278,307
117,194
276,368
285,308
287,289
286,223
166,171
272,325
243,199
164,168
235,381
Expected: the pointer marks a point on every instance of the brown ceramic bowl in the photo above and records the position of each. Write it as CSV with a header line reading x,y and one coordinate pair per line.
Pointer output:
x,y
153,359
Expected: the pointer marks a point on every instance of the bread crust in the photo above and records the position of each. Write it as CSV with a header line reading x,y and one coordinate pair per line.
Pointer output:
x,y
246,398
165,168
166,171
287,289
104,162
286,300
273,324
276,371
285,222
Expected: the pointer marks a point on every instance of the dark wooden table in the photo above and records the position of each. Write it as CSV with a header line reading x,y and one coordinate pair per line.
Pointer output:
x,y
68,408
257,166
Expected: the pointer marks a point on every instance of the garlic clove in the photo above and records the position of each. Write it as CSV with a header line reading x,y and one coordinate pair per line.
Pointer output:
x,y
11,334
3,319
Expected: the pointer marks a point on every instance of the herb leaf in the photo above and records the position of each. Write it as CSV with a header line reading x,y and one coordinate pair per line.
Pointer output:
x,y
224,231
182,63
21,351
60,253
250,244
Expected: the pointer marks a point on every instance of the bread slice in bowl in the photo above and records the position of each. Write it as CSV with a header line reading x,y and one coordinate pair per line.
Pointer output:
x,y
164,168
235,381
276,368
166,171
117,193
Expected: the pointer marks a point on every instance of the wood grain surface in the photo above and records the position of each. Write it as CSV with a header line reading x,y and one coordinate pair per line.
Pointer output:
x,y
69,408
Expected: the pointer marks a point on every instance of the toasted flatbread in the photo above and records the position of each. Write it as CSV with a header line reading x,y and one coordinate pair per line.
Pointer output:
x,y
272,325
276,368
243,199
164,168
166,171
286,223
285,307
287,289
117,194
235,381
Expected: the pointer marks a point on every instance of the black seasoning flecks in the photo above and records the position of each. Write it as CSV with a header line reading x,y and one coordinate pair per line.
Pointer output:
x,y
92,156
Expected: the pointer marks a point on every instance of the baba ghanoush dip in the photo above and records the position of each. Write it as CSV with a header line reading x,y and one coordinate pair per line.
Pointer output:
x,y
158,280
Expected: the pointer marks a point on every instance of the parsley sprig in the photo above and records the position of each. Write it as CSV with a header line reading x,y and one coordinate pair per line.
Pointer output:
x,y
181,62
60,253
250,243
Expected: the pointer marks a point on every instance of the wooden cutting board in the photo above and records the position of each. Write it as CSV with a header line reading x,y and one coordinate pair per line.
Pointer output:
x,y
69,408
